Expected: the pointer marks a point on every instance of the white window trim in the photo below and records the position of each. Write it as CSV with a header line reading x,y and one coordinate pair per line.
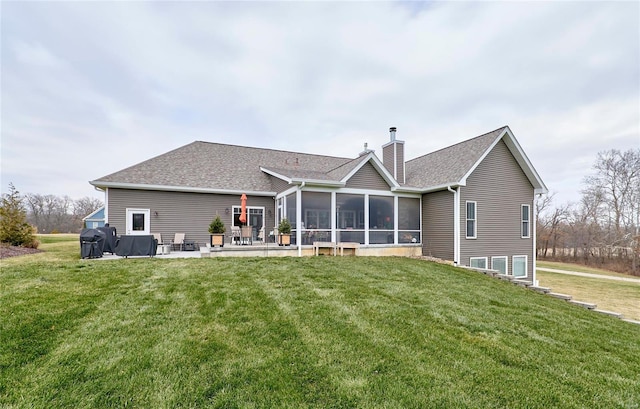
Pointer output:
x,y
486,261
475,220
264,215
526,266
522,221
128,222
506,262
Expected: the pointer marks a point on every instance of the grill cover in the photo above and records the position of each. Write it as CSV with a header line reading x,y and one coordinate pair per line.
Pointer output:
x,y
136,245
91,243
110,239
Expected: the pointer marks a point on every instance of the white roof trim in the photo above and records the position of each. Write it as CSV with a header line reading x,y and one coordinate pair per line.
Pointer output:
x,y
520,157
93,214
301,180
275,174
371,157
318,182
188,189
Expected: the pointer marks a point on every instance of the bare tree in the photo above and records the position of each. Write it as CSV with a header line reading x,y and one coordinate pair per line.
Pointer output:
x,y
83,207
51,213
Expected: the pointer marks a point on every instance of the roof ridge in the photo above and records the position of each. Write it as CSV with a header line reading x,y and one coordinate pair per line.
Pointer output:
x,y
344,164
272,150
458,143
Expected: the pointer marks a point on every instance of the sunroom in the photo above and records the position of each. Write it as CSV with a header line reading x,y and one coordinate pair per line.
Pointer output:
x,y
371,218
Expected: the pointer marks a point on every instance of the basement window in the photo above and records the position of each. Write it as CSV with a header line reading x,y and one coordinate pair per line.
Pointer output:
x,y
478,262
519,266
499,263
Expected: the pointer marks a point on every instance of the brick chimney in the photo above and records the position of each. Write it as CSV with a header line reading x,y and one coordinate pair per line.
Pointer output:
x,y
393,157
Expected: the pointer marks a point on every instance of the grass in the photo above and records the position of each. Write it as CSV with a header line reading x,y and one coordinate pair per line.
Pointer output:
x,y
580,268
298,333
618,296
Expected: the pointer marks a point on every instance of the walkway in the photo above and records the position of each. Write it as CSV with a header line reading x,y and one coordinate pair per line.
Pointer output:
x,y
577,273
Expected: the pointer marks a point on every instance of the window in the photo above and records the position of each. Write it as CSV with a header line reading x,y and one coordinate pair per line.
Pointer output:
x,y
519,266
525,221
471,220
408,220
499,263
478,262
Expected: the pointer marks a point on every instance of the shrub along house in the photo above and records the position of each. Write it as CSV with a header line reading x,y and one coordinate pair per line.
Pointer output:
x,y
471,203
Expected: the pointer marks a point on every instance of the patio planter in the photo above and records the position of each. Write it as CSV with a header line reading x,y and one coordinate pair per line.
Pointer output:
x,y
217,240
284,239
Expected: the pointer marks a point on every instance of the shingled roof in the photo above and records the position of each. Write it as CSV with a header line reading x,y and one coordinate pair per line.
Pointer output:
x,y
448,166
206,166
215,166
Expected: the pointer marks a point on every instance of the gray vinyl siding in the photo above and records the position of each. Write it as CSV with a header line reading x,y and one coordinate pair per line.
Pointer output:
x,y
279,185
367,177
389,152
387,157
400,162
180,212
499,187
437,225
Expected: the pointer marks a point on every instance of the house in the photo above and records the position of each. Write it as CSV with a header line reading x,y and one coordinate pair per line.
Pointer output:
x,y
471,203
95,219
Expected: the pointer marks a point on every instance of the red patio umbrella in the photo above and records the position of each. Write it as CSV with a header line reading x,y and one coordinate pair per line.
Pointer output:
x,y
243,209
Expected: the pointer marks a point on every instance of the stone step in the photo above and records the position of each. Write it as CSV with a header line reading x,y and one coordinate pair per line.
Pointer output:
x,y
544,290
505,277
631,321
523,283
560,296
611,313
583,304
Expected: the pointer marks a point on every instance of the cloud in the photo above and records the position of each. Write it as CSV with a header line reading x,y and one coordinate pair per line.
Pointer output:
x,y
120,82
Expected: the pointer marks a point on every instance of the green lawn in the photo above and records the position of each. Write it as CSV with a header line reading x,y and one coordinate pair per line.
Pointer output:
x,y
580,268
318,332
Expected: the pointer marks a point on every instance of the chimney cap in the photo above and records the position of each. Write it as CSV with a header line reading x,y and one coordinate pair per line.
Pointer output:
x,y
392,129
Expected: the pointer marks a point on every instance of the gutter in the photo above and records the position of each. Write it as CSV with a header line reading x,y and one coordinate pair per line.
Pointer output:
x,y
188,189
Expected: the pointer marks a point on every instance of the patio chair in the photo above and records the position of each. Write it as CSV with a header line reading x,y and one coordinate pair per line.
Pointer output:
x,y
163,248
158,237
247,234
178,241
235,234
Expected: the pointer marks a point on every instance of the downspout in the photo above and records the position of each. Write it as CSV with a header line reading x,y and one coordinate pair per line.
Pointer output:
x,y
299,218
456,224
534,216
106,205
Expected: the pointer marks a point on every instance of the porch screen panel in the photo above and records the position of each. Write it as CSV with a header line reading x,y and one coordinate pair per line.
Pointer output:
x,y
350,218
291,210
316,217
291,216
381,219
408,220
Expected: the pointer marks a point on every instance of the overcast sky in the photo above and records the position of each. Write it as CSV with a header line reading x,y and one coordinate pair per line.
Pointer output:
x,y
89,88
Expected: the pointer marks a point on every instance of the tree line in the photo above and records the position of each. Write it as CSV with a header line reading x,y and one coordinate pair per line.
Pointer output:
x,y
603,228
50,213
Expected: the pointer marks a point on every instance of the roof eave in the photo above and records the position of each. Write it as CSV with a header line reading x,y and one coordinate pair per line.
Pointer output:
x,y
276,174
186,189
317,182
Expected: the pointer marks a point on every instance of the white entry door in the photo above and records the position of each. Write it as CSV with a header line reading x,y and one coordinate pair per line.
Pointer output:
x,y
138,221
